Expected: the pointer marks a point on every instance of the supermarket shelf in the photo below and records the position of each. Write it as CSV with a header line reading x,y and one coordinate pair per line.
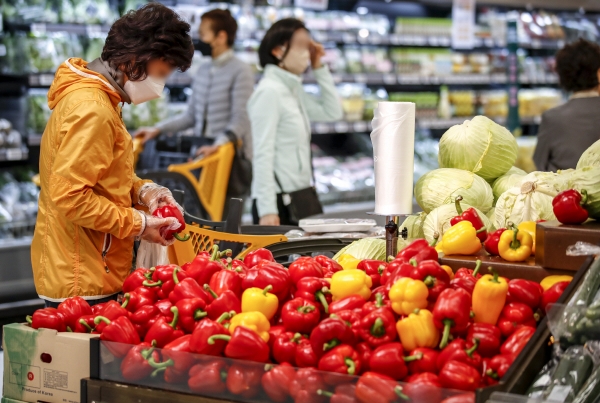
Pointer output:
x,y
10,244
90,30
14,154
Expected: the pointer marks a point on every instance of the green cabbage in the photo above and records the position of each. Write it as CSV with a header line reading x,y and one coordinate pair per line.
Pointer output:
x,y
414,226
590,157
441,186
480,146
439,220
588,178
513,177
366,248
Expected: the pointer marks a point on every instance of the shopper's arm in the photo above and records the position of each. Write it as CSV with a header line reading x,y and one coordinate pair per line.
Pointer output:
x,y
84,155
264,117
137,187
542,149
327,107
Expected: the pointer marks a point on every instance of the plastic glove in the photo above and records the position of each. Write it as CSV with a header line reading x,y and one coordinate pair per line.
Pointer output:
x,y
155,196
152,231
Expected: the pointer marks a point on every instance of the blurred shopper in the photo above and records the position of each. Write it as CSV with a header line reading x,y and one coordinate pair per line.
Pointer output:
x,y
568,130
86,226
280,113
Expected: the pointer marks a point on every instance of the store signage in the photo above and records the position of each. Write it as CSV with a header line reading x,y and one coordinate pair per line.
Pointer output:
x,y
312,4
463,24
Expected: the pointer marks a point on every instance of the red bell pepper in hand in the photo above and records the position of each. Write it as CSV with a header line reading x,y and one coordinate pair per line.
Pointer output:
x,y
144,318
255,257
526,292
373,387
491,242
569,206
419,250
47,318
85,324
352,319
351,303
186,289
163,275
285,346
425,362
72,309
269,274
208,378
344,393
498,366
305,267
120,330
330,266
458,375
515,315
452,312
517,341
423,388
489,337
552,294
458,350
305,386
330,333
137,279
226,280
305,355
169,211
178,351
205,329
470,215
389,360
378,327
342,359
300,315
435,278
134,366
164,332
244,380
276,381
111,311
191,310
202,268
374,269
243,344
314,290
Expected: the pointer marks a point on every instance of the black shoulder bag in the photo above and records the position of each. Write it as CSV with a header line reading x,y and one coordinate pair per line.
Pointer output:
x,y
301,203
240,178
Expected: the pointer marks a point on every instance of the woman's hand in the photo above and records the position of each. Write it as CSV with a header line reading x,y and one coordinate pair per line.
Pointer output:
x,y
205,151
152,232
146,133
317,51
269,219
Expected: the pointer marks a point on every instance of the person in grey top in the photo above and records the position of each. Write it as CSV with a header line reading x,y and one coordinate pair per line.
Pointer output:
x,y
220,91
568,130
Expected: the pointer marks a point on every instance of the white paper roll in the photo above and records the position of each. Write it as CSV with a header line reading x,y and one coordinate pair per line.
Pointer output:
x,y
393,138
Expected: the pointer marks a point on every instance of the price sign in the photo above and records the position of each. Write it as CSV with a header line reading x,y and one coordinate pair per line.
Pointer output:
x,y
312,4
463,24
14,154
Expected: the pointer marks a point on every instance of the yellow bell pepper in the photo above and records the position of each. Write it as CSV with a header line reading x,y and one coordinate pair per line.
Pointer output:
x,y
418,330
460,239
489,296
529,227
515,245
549,281
350,282
257,300
407,295
255,321
348,262
448,270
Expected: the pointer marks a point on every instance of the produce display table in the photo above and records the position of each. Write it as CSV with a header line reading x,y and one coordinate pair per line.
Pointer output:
x,y
553,239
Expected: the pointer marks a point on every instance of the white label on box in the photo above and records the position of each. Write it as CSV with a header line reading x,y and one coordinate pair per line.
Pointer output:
x,y
56,379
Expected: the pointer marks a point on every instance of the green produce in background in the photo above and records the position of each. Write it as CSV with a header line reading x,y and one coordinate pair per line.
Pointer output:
x,y
590,157
439,220
414,226
442,186
38,112
589,179
366,248
479,145
512,178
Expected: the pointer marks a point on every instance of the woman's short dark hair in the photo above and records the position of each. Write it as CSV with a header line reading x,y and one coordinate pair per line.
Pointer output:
x,y
279,34
222,20
577,65
152,32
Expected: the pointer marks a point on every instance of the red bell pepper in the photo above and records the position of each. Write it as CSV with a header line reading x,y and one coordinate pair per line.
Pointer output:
x,y
352,319
243,344
269,274
492,240
224,303
373,387
274,332
178,351
315,290
255,257
305,267
202,268
164,332
458,375
85,324
330,333
276,381
423,388
351,303
208,378
470,215
300,315
342,359
305,386
378,301
569,206
390,270
96,309
365,353
425,362
378,327
163,275
134,366
463,398
458,350
186,289
344,393
463,283
515,315
452,312
305,355
141,296
244,380
137,279
374,269
517,341
498,366
119,330
191,311
468,273
167,212
285,346
419,250
144,318
227,280
526,292
389,360
435,278
489,337
48,318
552,294
204,330
330,266
164,306
111,311
72,309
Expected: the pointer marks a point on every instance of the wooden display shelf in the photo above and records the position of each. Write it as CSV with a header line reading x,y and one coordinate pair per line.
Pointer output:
x,y
553,239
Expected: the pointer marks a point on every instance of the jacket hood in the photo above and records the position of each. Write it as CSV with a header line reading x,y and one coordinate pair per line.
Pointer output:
x,y
72,75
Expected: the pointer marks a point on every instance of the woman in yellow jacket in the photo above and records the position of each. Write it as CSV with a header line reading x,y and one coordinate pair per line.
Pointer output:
x,y
88,217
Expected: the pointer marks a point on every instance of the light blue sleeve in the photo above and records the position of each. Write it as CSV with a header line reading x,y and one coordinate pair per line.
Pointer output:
x,y
327,107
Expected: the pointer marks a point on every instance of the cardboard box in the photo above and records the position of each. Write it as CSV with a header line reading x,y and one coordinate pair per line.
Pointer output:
x,y
44,365
9,400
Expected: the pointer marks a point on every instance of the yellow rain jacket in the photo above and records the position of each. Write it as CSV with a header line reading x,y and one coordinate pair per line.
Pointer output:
x,y
86,225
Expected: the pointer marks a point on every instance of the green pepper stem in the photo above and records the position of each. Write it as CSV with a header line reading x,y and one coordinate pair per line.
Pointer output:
x,y
211,339
306,309
160,365
381,269
351,365
584,197
215,253
416,311
267,289
515,244
210,291
477,267
175,278
175,311
269,367
377,329
480,230
491,374
325,393
297,337
378,300
471,350
416,357
199,314
457,201
436,237
495,279
224,316
448,323
83,323
148,352
429,281
400,394
126,298
146,283
180,238
413,262
321,297
102,319
331,344
69,329
28,319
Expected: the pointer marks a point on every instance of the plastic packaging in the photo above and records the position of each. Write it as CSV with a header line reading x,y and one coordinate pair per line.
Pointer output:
x,y
153,196
151,255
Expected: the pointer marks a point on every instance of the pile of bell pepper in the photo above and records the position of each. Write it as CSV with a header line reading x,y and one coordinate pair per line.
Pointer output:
x,y
408,320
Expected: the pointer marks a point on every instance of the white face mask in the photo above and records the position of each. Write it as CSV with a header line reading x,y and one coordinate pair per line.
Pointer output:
x,y
296,60
144,90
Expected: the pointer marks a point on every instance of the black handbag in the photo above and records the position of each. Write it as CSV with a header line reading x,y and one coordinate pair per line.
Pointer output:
x,y
240,178
301,203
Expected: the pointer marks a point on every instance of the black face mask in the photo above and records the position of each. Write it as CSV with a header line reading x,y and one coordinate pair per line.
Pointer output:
x,y
204,48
